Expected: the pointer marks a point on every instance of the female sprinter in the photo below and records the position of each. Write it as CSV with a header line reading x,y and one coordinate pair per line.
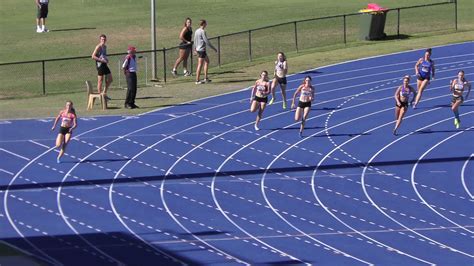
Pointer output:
x,y
259,97
68,123
425,70
402,97
457,88
279,77
306,91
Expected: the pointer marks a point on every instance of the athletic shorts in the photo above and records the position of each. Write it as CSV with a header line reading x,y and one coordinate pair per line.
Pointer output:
x,y
304,104
185,46
260,99
103,69
42,11
402,105
421,78
64,130
281,80
457,98
202,54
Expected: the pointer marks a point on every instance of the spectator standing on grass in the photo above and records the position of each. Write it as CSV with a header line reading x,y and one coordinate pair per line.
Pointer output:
x,y
41,15
68,124
185,47
100,57
201,43
130,69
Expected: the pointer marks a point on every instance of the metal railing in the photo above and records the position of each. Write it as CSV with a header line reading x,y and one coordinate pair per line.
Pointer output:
x,y
65,75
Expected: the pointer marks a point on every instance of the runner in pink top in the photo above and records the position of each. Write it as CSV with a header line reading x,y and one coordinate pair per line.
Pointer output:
x,y
68,123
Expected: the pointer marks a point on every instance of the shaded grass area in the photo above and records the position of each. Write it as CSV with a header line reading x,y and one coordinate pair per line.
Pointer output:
x,y
231,77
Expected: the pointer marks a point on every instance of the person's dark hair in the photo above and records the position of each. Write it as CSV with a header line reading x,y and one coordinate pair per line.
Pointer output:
x,y
186,20
428,51
283,54
202,22
102,36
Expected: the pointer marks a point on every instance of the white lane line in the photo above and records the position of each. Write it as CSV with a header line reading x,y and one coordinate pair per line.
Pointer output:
x,y
5,171
416,189
340,147
363,184
14,154
39,144
463,170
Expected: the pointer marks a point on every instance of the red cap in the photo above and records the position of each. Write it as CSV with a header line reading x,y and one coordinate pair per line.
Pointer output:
x,y
131,48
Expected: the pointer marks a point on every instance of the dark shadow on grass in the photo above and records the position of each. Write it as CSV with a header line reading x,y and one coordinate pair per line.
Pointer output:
x,y
73,29
158,178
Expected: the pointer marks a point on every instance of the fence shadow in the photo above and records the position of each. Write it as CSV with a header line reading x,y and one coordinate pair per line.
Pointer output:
x,y
73,29
155,178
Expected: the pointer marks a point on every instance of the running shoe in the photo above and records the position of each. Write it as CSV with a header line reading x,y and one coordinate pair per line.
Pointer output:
x,y
45,29
174,73
199,82
284,105
394,132
38,30
256,127
457,123
187,73
207,80
58,160
271,101
301,134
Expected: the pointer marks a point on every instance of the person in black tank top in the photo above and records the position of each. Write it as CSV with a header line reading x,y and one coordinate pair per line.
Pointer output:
x,y
185,47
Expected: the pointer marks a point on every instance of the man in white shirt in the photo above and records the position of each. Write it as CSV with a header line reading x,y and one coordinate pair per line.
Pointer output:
x,y
130,69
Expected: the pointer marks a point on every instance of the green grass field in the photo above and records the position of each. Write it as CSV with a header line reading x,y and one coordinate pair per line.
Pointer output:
x,y
76,25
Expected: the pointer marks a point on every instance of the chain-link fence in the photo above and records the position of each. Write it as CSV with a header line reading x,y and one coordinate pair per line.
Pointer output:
x,y
68,74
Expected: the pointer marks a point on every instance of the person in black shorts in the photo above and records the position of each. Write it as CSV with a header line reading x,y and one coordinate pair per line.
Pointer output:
x,y
185,48
259,97
68,119
402,98
279,77
306,92
101,60
41,15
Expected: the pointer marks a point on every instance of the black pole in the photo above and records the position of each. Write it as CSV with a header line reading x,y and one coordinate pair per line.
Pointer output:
x,y
296,37
219,51
44,77
250,45
398,22
164,64
345,33
456,14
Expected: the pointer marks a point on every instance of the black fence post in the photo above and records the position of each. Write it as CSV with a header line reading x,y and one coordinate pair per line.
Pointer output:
x,y
250,45
219,51
164,64
398,22
296,36
456,14
345,33
44,77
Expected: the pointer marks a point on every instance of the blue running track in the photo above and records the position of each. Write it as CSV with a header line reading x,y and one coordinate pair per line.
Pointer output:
x,y
196,184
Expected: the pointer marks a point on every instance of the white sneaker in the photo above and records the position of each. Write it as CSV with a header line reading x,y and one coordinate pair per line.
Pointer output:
x,y
199,82
187,73
256,127
45,30
38,30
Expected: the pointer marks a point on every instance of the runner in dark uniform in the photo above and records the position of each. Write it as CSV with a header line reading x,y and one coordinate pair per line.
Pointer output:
x,y
425,71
